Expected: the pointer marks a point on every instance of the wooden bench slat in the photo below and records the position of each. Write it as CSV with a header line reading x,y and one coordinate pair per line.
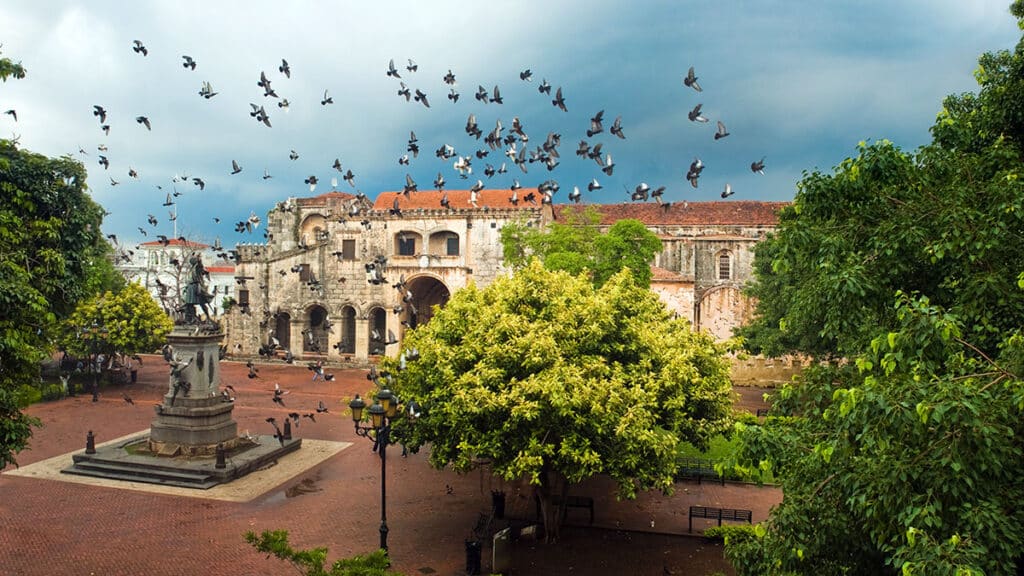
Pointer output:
x,y
734,514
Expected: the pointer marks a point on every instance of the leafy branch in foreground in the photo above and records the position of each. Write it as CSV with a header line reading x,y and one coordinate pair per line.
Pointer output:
x,y
311,562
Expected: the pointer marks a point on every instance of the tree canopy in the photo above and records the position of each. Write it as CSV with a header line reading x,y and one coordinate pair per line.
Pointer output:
x,y
577,245
553,381
52,255
133,322
903,454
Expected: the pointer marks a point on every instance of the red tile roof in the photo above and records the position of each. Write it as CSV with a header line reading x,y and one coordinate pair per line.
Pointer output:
x,y
220,269
176,242
333,197
744,212
457,199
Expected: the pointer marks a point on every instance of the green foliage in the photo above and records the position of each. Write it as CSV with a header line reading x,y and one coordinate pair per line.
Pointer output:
x,y
554,381
575,245
311,562
15,426
9,68
52,255
133,320
905,457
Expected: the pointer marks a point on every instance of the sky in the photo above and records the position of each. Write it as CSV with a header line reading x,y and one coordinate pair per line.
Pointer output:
x,y
799,83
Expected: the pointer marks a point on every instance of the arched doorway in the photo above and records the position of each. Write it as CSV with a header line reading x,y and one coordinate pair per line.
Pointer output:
x,y
315,332
427,292
378,331
347,345
283,330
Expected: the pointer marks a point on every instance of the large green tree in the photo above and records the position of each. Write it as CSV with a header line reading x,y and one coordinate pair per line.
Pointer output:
x,y
904,453
52,255
133,322
576,244
553,381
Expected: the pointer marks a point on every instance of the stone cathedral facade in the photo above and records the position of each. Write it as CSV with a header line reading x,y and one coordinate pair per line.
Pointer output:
x,y
322,285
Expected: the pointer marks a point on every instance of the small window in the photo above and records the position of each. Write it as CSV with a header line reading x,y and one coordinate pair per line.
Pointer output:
x,y
724,266
243,297
348,249
406,246
452,245
304,273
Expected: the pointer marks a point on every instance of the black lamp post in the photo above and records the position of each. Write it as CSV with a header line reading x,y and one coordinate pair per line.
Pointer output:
x,y
382,413
96,332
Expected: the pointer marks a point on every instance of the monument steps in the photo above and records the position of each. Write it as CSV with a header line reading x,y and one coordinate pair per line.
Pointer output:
x,y
151,475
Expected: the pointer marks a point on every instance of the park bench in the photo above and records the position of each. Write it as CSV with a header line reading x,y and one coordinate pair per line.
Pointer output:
x,y
482,530
571,502
698,468
733,514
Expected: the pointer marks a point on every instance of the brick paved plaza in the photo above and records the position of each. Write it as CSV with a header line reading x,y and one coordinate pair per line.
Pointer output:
x,y
58,526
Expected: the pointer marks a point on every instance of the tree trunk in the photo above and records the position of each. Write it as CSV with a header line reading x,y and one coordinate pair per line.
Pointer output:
x,y
552,488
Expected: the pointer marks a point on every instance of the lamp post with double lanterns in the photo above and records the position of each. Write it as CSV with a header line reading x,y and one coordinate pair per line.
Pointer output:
x,y
383,413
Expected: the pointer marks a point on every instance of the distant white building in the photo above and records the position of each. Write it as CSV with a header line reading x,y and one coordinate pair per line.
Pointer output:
x,y
157,266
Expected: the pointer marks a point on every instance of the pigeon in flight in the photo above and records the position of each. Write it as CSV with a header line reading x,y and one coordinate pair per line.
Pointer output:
x,y
12,113
139,48
595,124
721,132
326,99
496,96
616,128
404,91
690,80
757,167
695,115
293,156
728,191
206,91
559,101
449,78
101,112
189,62
392,71
235,168
144,121
412,67
544,87
285,69
421,98
104,162
453,95
526,75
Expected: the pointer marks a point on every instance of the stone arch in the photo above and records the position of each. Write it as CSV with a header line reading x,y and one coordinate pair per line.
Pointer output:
x,y
347,344
310,227
723,308
315,329
408,243
427,291
283,329
377,328
444,243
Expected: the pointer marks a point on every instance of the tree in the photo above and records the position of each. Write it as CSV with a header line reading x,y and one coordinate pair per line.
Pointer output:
x,y
903,453
133,320
52,254
311,562
577,245
553,381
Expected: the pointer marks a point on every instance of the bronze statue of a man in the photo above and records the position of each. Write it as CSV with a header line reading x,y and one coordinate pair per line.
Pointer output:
x,y
196,293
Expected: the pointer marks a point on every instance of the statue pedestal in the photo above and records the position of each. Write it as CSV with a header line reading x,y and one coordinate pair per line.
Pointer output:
x,y
193,419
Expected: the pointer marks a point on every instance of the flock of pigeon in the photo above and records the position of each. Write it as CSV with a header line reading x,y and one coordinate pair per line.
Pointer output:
x,y
500,149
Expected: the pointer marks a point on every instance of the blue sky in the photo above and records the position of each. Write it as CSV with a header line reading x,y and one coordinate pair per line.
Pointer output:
x,y
797,82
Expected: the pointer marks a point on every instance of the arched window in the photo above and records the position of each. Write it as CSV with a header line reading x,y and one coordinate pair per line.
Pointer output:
x,y
444,244
725,265
407,243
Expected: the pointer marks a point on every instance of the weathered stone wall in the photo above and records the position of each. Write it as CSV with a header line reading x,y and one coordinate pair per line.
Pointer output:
x,y
721,309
